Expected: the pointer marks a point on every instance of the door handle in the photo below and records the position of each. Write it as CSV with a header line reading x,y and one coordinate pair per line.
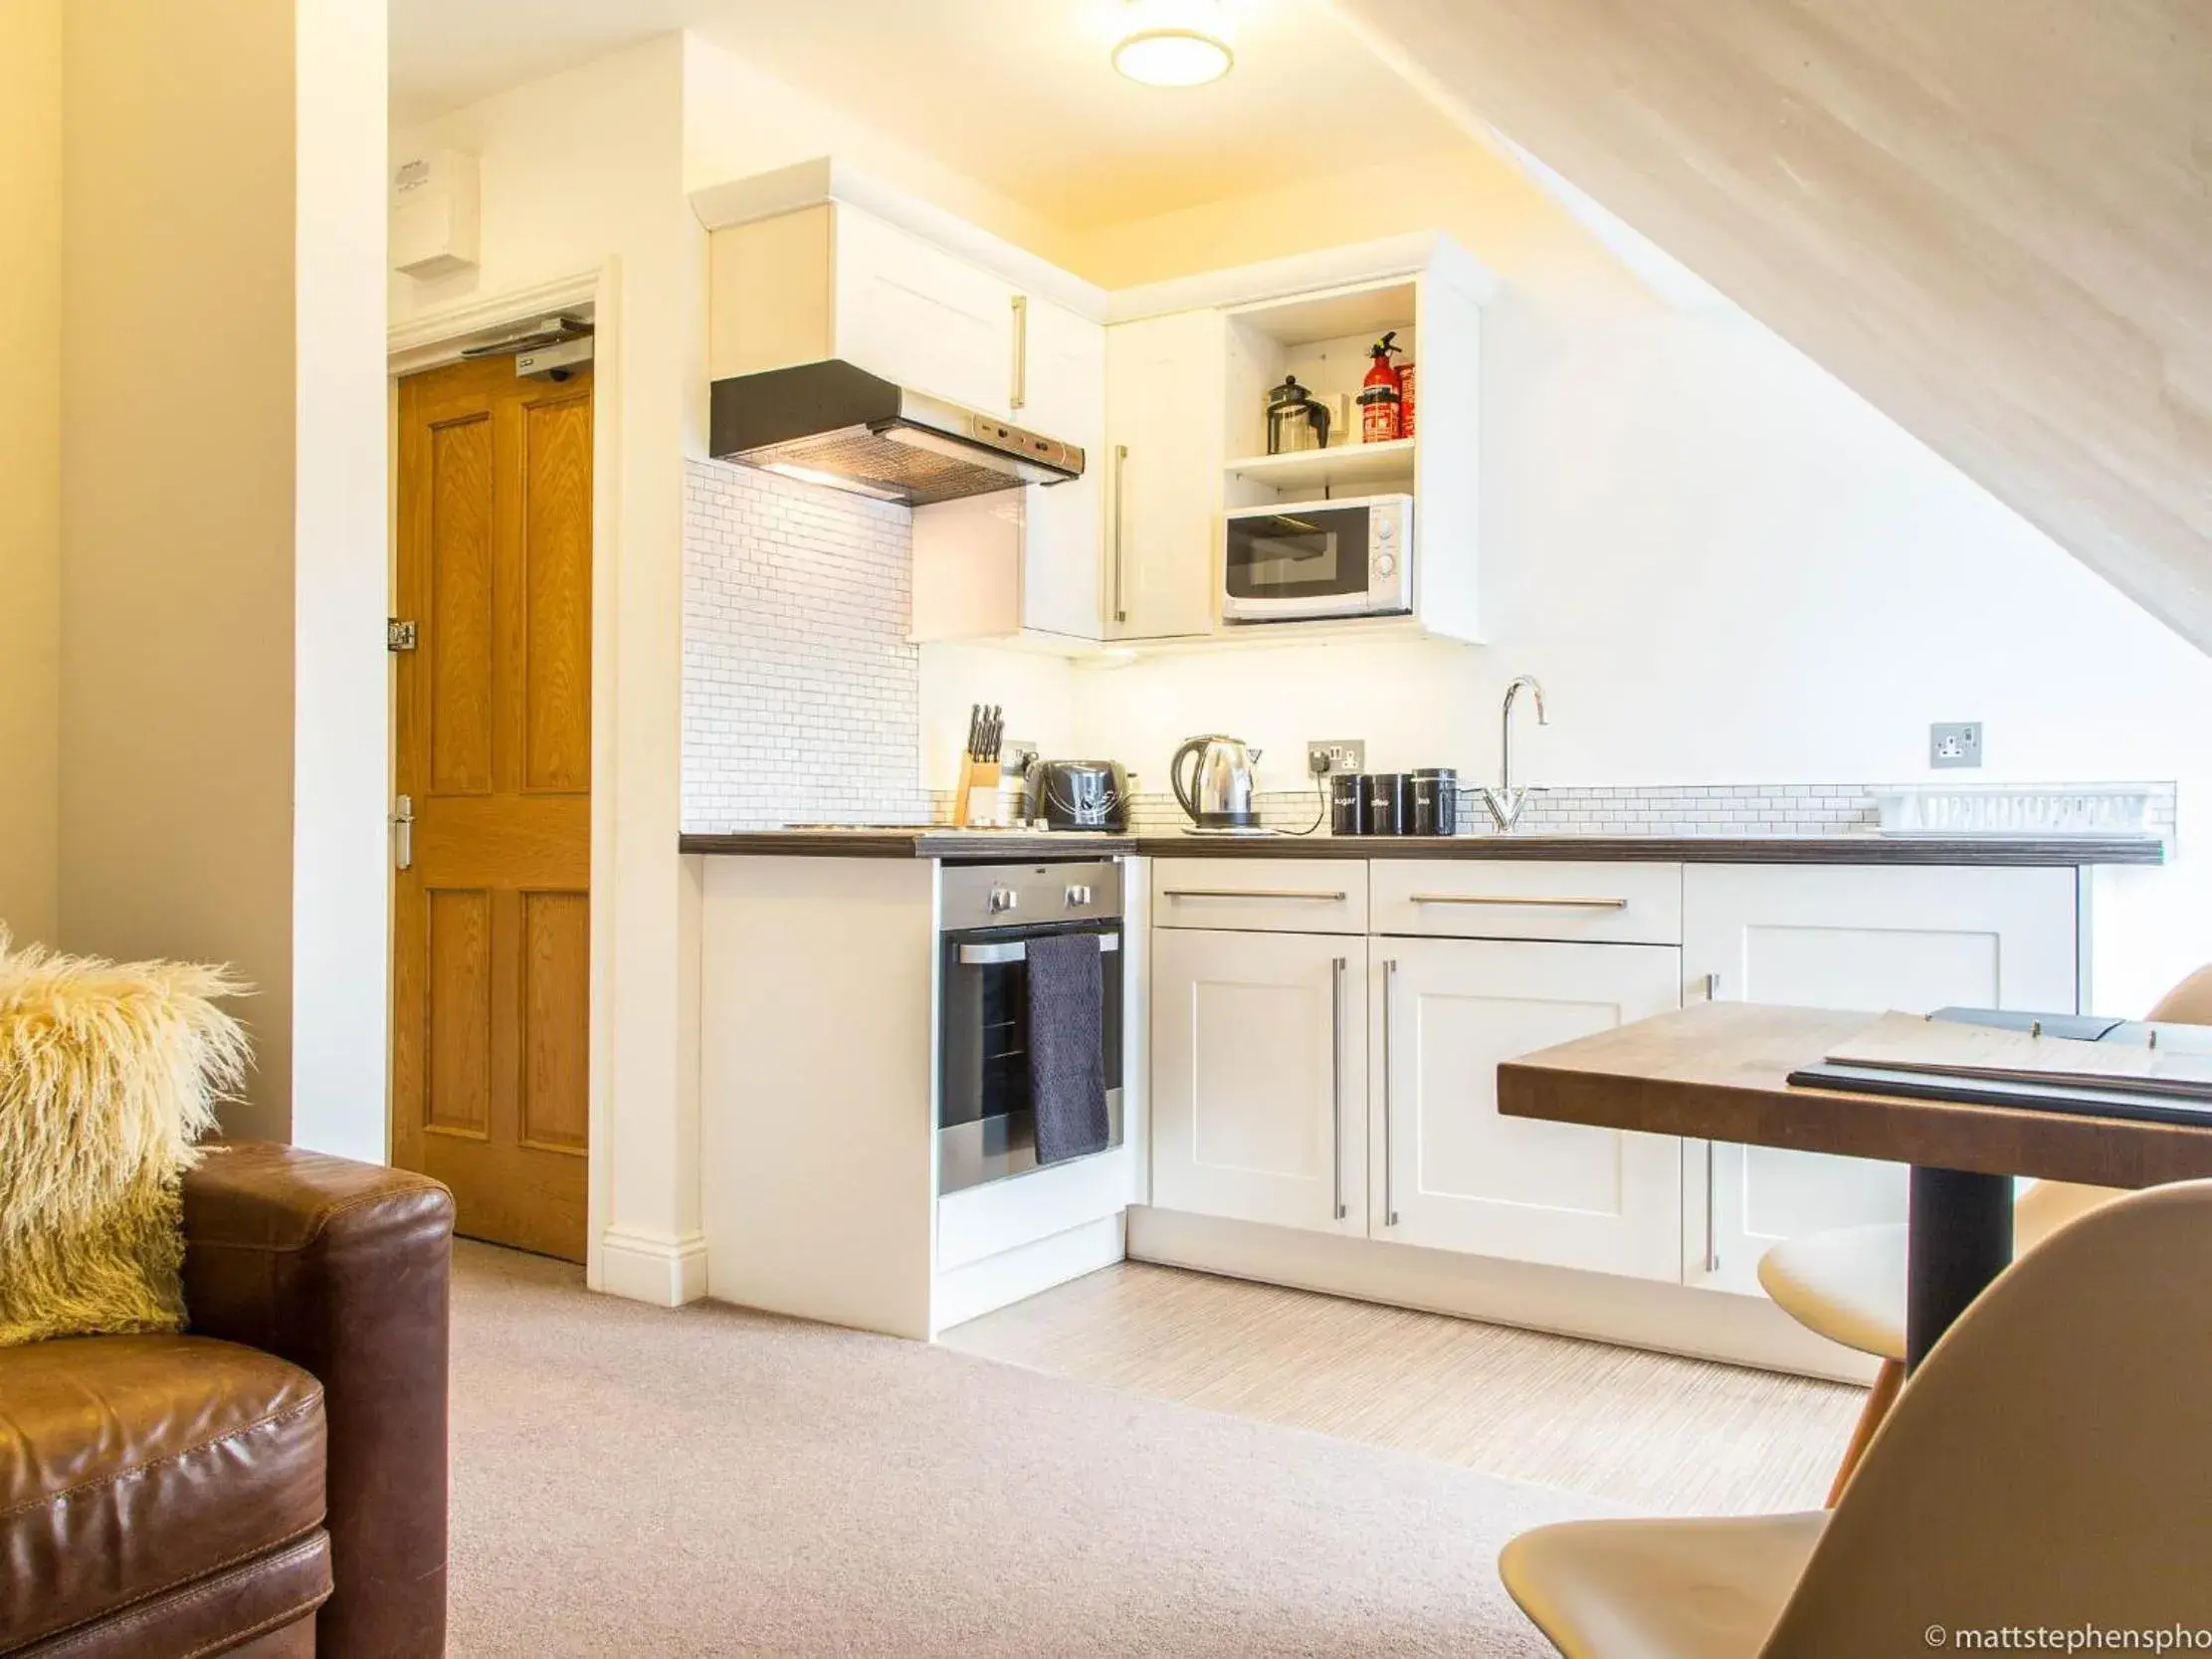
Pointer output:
x,y
403,832
1336,1084
1018,395
1016,951
1389,1095
1120,475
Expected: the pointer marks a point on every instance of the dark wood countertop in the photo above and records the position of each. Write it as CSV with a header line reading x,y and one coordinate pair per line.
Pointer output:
x,y
1691,849
957,845
946,842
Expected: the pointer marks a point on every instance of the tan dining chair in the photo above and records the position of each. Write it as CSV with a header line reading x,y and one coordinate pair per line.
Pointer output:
x,y
2048,1469
1848,1284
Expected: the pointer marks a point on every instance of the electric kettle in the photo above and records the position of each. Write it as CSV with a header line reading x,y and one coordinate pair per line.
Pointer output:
x,y
1219,793
1294,420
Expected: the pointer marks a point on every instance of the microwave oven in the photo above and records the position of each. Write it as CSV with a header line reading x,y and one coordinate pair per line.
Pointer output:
x,y
1297,561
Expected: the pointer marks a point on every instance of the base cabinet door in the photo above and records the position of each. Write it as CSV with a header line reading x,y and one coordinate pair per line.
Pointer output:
x,y
1259,1076
1450,1171
1875,937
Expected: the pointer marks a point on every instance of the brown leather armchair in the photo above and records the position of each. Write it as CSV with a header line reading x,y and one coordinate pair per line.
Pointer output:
x,y
271,1484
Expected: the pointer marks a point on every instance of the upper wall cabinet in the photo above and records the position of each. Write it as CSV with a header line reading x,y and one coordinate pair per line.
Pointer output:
x,y
831,280
1163,475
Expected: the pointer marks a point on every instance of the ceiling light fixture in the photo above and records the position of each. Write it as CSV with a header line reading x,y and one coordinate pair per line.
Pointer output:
x,y
1173,43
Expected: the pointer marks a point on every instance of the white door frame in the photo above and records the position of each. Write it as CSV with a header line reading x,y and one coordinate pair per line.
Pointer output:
x,y
430,341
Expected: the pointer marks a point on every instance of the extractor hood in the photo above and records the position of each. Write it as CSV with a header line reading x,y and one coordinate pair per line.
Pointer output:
x,y
832,423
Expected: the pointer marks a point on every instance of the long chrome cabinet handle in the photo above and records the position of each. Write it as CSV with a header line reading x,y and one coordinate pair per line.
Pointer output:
x,y
1520,899
1712,1232
1120,477
1019,394
1314,894
1336,1084
1389,1095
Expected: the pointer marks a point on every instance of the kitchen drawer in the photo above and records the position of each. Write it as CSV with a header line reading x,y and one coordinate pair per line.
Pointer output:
x,y
1262,895
1610,903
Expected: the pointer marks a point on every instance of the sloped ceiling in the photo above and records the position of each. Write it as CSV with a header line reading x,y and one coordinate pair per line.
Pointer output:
x,y
1992,218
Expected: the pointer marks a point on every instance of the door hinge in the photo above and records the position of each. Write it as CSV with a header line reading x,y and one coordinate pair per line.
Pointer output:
x,y
398,635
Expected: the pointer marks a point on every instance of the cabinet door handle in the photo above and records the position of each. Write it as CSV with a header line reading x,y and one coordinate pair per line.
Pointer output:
x,y
1318,895
1713,1231
1389,1093
1336,1085
1019,395
1520,899
1120,475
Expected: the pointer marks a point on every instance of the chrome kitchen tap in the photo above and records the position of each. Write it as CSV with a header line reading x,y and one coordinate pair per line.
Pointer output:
x,y
1505,803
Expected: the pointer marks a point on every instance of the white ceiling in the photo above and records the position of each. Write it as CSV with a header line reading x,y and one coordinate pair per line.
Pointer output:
x,y
1017,94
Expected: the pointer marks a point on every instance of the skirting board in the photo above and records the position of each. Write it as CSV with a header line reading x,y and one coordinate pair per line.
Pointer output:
x,y
965,1293
665,1269
1632,1313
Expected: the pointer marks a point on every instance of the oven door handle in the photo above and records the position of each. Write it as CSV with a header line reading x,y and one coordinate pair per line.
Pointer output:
x,y
1017,951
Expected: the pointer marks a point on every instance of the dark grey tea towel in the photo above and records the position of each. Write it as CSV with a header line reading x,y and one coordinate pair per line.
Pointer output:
x,y
1067,1059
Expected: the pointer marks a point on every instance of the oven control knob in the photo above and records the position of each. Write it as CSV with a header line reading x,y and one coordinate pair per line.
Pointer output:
x,y
1003,899
1385,565
1386,531
1078,897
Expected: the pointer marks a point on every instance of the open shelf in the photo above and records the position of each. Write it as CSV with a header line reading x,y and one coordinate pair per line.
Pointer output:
x,y
1347,466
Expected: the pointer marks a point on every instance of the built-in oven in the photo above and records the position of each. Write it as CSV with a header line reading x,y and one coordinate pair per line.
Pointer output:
x,y
988,916
1293,562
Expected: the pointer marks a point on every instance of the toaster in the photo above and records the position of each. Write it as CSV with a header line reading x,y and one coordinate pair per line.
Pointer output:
x,y
1078,794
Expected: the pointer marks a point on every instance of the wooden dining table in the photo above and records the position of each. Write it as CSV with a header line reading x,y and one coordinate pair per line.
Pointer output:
x,y
1719,1071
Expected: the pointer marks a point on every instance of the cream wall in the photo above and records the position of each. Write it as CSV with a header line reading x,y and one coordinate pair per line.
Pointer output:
x,y
177,500
218,441
31,461
1725,565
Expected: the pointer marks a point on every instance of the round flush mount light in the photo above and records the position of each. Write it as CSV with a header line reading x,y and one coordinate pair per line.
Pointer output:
x,y
1173,43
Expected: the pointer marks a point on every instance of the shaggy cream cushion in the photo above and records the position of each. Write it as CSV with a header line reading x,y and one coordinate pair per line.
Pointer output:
x,y
109,1074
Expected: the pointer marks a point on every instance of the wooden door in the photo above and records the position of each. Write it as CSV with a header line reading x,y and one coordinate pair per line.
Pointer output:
x,y
1259,1076
1460,1176
1914,938
493,931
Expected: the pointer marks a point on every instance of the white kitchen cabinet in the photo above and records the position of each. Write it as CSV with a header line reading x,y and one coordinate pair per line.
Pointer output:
x,y
1451,1171
1163,474
1025,563
1259,1062
1062,373
1861,937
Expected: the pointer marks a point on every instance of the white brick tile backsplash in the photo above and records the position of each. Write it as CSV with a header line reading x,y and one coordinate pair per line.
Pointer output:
x,y
802,697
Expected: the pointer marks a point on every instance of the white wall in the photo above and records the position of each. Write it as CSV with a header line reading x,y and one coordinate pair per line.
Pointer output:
x,y
1725,567
341,862
31,461
584,170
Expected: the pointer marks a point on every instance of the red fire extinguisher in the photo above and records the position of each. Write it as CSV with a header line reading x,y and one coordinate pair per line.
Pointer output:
x,y
1381,396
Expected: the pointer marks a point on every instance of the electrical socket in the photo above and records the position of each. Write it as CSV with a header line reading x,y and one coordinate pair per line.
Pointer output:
x,y
1954,744
1335,754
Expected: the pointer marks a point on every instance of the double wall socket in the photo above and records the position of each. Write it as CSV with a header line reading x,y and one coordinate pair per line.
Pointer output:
x,y
1954,744
1331,756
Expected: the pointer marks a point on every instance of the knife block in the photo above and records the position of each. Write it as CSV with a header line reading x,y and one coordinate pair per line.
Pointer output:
x,y
975,774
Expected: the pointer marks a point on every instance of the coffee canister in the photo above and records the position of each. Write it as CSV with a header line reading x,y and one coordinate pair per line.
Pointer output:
x,y
1390,803
1347,803
1435,801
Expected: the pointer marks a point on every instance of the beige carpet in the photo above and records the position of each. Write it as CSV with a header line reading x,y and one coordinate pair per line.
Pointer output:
x,y
634,1482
